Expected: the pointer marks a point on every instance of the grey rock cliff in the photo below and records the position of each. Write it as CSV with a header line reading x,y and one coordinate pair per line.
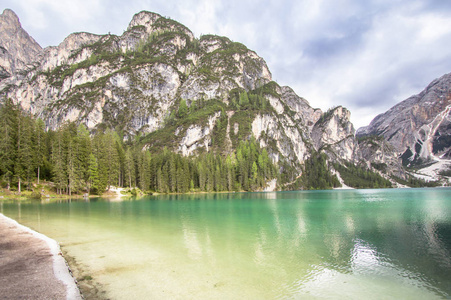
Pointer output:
x,y
133,79
17,48
420,125
335,134
381,155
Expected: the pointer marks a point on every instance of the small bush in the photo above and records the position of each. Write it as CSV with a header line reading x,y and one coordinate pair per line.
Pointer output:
x,y
36,195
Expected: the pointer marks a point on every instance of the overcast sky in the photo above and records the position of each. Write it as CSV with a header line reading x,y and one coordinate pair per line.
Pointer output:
x,y
364,55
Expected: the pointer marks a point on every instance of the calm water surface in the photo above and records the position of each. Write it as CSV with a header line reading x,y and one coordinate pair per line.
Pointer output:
x,y
350,244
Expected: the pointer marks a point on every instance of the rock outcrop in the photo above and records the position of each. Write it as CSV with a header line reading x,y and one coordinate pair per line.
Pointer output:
x,y
17,48
335,134
381,155
132,80
420,126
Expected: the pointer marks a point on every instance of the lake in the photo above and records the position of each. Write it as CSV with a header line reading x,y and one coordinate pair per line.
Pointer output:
x,y
341,244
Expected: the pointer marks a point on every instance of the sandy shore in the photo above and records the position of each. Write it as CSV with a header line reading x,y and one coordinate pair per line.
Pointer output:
x,y
31,265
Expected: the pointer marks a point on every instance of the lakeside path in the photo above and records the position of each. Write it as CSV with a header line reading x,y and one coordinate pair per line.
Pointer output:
x,y
31,265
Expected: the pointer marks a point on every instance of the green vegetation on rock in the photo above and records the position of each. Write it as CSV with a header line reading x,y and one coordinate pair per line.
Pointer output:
x,y
360,177
316,174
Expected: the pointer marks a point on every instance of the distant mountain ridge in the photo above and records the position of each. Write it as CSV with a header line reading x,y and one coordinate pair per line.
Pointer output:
x,y
420,126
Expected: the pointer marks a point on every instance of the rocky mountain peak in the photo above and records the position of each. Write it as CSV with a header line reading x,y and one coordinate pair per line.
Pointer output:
x,y
420,125
143,18
9,17
155,23
335,134
17,48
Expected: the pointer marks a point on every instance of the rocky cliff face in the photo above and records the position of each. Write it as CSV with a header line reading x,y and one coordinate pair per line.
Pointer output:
x,y
381,155
335,134
420,126
132,80
189,94
17,48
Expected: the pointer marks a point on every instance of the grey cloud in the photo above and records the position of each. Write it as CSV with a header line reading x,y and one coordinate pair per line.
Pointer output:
x,y
438,6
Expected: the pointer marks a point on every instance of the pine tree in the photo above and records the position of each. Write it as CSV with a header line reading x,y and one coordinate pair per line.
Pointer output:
x,y
8,132
230,167
40,146
183,109
172,173
93,176
71,147
254,172
129,168
202,174
121,161
144,171
99,151
84,151
112,157
25,161
57,159
29,146
244,99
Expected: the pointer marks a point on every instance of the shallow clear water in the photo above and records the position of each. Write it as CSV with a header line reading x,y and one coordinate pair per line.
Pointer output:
x,y
349,244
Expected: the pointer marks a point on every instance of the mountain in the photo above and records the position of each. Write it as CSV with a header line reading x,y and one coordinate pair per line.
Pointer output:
x,y
131,80
418,128
17,48
159,83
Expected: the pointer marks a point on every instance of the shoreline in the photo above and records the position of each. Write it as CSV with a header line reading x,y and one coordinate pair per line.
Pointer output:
x,y
61,270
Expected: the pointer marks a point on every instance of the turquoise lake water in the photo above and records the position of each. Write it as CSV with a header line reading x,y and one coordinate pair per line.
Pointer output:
x,y
342,244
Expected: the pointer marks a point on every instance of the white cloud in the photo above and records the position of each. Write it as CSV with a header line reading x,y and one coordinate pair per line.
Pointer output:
x,y
393,58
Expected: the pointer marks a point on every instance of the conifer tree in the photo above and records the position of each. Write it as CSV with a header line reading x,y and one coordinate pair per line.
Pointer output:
x,y
71,147
40,146
183,109
100,153
93,176
84,151
230,167
25,162
129,168
29,147
254,172
112,158
172,173
8,132
244,99
121,161
144,171
58,171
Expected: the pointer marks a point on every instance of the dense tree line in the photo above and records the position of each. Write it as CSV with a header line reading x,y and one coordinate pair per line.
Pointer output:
x,y
78,162
414,182
359,177
316,174
248,168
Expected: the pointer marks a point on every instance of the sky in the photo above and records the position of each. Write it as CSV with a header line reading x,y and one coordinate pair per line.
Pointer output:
x,y
364,55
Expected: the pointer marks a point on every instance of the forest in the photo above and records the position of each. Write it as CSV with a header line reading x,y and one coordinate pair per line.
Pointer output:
x,y
79,162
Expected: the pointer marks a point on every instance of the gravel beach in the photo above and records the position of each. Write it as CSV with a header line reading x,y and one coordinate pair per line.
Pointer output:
x,y
31,265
